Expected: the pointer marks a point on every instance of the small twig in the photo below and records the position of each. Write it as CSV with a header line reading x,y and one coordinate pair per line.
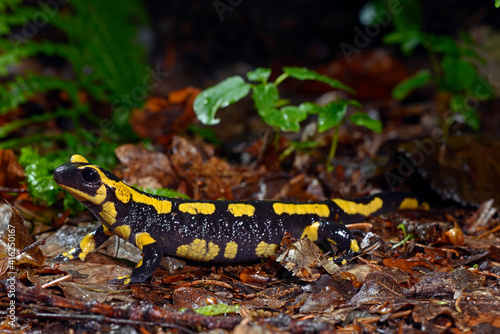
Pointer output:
x,y
60,279
359,226
98,318
139,310
439,248
33,245
395,315
487,233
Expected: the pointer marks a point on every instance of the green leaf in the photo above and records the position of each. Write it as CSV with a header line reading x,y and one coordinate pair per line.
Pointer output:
x,y
310,108
218,309
408,40
260,74
497,3
39,174
290,117
458,75
219,96
166,192
205,132
331,115
444,44
282,102
362,119
459,104
302,73
404,88
469,54
408,16
482,89
303,146
266,98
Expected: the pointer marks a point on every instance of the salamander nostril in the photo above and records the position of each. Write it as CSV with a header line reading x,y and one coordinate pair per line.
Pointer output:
x,y
58,174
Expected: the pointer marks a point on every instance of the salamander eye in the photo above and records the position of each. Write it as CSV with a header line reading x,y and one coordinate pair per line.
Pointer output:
x,y
90,175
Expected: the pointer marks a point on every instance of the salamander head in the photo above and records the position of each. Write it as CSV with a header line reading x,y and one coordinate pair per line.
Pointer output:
x,y
86,182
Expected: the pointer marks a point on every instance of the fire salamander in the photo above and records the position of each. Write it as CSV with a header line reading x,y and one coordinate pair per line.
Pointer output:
x,y
208,231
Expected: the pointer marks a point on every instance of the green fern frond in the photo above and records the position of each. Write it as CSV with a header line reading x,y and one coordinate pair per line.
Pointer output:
x,y
21,88
97,46
101,32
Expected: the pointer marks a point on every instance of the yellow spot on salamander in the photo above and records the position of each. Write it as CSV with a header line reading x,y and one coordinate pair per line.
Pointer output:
x,y
107,231
353,208
108,213
332,241
126,279
321,210
265,250
239,209
69,254
142,239
97,199
195,208
122,192
87,245
78,158
311,232
122,231
139,264
231,250
413,204
162,206
354,246
198,250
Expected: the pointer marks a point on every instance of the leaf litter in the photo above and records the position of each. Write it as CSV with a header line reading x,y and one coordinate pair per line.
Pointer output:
x,y
443,278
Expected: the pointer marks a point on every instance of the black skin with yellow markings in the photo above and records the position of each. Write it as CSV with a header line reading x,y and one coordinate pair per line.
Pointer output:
x,y
209,231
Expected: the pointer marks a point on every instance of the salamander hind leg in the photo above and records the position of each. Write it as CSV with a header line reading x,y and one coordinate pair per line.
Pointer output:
x,y
147,266
340,236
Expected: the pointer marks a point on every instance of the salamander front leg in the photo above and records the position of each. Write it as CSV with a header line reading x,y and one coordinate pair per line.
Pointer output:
x,y
145,267
339,235
89,243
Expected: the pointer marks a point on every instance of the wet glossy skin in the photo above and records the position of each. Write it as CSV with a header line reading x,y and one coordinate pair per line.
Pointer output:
x,y
208,231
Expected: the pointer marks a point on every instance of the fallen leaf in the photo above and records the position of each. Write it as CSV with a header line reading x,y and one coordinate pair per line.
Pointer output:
x,y
13,240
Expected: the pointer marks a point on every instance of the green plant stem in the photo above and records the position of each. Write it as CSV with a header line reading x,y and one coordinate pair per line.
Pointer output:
x,y
276,140
333,148
280,79
433,57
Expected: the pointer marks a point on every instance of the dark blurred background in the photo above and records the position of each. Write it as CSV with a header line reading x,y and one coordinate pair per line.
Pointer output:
x,y
201,38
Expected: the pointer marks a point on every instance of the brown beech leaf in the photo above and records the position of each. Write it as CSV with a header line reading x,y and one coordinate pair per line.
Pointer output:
x,y
407,265
11,172
188,297
302,258
162,118
378,289
327,297
14,239
146,168
446,284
